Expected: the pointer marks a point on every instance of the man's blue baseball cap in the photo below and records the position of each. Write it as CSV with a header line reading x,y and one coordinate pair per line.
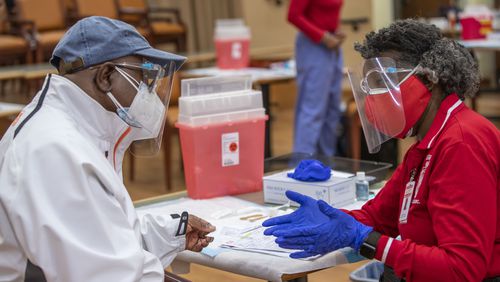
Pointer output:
x,y
96,40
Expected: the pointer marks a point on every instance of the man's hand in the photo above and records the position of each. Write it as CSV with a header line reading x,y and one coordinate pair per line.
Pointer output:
x,y
340,35
196,234
333,41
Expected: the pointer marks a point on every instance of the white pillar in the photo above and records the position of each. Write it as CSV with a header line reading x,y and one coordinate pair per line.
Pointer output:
x,y
382,13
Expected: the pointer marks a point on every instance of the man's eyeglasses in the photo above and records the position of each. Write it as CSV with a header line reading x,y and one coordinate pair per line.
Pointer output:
x,y
151,73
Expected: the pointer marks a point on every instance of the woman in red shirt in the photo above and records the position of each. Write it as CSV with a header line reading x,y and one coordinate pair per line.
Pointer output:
x,y
319,74
444,199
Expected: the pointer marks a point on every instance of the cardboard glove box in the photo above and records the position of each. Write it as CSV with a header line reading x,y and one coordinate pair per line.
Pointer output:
x,y
337,191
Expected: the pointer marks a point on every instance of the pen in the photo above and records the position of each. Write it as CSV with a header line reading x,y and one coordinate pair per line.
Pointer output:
x,y
251,216
257,218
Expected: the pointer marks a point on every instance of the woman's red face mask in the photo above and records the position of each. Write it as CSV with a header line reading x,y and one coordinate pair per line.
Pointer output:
x,y
382,111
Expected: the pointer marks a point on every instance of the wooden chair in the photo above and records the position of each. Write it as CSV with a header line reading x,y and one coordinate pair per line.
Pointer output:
x,y
109,8
86,8
354,130
17,41
171,131
165,23
17,46
49,19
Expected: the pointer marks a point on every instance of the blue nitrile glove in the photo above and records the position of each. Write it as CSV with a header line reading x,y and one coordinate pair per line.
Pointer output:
x,y
306,215
311,171
324,236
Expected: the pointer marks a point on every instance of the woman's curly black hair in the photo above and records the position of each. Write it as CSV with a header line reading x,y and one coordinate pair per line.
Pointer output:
x,y
442,61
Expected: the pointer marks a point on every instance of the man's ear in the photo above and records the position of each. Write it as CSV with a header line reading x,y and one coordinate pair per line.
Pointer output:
x,y
102,77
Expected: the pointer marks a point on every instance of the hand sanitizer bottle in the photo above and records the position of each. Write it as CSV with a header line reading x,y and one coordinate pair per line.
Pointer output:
x,y
362,188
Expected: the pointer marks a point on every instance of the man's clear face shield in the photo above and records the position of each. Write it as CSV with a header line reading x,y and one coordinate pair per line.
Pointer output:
x,y
148,111
375,86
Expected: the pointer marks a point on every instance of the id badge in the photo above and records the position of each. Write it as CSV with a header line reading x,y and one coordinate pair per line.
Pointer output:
x,y
405,208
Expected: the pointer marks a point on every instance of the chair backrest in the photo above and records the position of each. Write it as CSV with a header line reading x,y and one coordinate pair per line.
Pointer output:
x,y
176,91
139,4
105,8
3,18
69,4
46,14
132,5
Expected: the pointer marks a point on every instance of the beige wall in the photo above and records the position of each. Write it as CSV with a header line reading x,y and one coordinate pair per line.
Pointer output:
x,y
199,17
268,23
270,27
382,13
487,2
352,10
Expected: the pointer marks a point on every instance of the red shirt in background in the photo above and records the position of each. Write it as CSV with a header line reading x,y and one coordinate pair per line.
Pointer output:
x,y
452,231
315,17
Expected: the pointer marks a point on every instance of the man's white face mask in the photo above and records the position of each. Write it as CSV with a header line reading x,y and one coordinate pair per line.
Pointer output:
x,y
146,114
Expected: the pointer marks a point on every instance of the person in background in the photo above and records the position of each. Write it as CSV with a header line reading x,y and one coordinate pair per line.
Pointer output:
x,y
450,12
10,4
451,8
65,213
319,74
444,198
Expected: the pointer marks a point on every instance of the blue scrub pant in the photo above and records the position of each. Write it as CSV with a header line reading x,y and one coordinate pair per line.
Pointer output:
x,y
319,82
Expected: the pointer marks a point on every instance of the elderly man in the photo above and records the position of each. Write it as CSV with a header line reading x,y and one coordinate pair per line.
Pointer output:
x,y
63,206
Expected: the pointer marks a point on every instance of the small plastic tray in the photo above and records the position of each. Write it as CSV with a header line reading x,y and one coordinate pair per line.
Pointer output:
x,y
215,85
222,118
220,103
369,272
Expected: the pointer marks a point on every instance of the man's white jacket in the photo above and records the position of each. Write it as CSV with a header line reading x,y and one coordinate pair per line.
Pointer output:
x,y
63,205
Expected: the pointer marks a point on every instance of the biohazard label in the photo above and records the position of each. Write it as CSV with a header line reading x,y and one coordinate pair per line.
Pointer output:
x,y
230,149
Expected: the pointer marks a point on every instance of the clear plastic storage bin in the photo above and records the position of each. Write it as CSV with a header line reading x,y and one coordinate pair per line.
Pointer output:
x,y
369,272
221,127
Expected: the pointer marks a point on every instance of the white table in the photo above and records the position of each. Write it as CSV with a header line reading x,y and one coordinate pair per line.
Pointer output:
x,y
481,44
9,109
259,75
478,45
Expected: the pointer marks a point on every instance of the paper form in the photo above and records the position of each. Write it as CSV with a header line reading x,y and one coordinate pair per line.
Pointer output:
x,y
232,232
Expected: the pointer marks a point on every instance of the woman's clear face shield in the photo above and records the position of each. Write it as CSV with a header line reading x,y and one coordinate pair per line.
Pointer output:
x,y
375,85
148,111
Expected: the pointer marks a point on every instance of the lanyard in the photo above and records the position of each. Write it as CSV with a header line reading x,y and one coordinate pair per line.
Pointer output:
x,y
405,207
